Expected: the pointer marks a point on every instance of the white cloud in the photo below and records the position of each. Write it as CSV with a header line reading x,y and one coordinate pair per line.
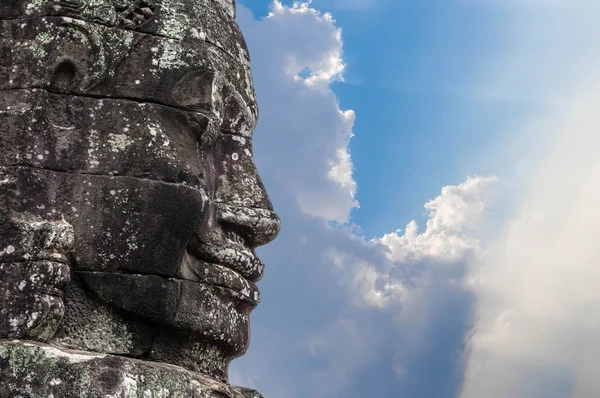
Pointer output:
x,y
458,207
301,127
414,256
537,290
322,65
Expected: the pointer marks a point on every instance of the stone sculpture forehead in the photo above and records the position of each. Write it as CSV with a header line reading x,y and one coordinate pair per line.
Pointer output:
x,y
185,53
177,19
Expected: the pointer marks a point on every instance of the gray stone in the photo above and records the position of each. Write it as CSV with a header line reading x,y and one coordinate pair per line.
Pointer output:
x,y
34,370
130,205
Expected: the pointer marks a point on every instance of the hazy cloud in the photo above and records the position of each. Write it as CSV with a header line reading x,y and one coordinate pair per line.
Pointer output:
x,y
537,291
537,288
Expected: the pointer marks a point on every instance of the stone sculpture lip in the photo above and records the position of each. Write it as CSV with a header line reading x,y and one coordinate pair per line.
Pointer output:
x,y
242,229
202,271
240,259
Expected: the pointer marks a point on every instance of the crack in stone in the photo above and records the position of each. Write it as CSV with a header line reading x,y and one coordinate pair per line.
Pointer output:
x,y
35,260
20,165
102,97
170,277
208,114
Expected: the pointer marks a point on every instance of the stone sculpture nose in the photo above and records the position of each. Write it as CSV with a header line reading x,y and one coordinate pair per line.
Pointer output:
x,y
241,201
239,217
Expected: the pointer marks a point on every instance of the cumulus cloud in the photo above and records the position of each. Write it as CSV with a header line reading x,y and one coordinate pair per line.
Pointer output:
x,y
386,304
337,308
296,54
323,64
412,257
456,208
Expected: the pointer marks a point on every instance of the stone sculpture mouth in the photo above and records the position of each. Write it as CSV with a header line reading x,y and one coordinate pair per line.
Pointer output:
x,y
232,266
230,261
216,269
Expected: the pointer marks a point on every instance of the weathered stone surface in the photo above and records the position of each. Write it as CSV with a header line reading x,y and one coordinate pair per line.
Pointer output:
x,y
79,374
33,305
31,239
110,216
104,136
74,57
199,19
130,205
122,137
180,303
248,393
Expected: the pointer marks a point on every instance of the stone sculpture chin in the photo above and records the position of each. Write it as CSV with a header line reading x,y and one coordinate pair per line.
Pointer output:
x,y
130,205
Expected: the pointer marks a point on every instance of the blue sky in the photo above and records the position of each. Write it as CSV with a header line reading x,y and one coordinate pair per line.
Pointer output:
x,y
435,170
409,72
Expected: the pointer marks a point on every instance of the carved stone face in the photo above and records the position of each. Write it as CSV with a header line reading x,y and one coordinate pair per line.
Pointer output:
x,y
132,121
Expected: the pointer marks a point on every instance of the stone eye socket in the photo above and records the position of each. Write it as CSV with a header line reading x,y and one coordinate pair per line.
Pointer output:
x,y
64,75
